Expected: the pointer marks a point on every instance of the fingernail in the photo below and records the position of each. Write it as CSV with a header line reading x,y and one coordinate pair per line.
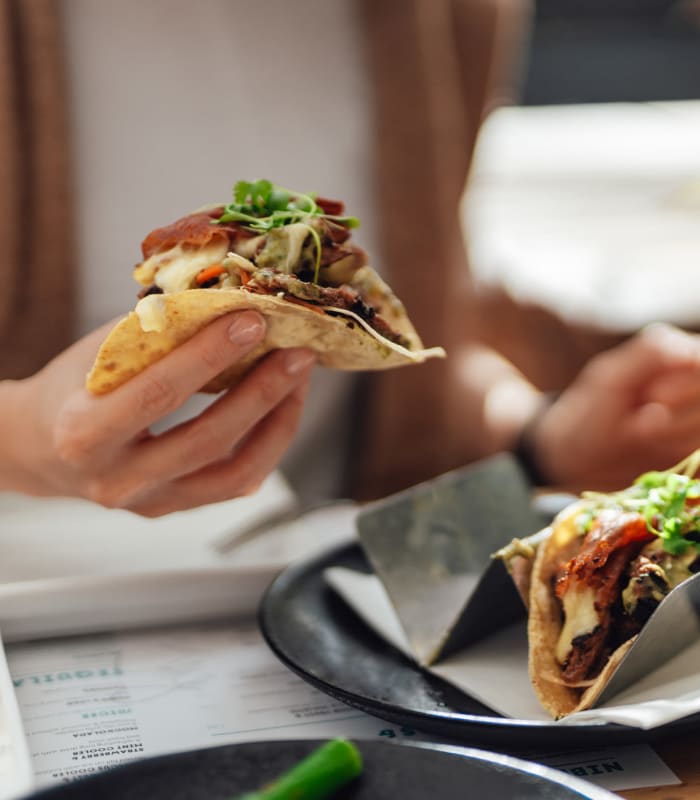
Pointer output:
x,y
676,342
657,328
296,361
246,328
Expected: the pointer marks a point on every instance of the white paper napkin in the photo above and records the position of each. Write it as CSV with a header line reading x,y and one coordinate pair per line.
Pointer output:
x,y
66,537
68,566
494,671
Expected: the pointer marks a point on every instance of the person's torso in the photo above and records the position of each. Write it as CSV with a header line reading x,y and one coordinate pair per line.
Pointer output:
x,y
173,101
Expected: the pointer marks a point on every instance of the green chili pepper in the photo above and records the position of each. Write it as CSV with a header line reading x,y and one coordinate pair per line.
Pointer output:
x,y
317,776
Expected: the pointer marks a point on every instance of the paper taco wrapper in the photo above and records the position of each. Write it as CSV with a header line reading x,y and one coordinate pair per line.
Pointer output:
x,y
342,341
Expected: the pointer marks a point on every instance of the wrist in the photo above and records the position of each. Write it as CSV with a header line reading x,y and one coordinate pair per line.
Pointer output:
x,y
16,431
526,448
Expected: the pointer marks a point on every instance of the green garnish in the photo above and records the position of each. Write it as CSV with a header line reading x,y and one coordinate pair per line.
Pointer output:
x,y
667,500
319,775
262,205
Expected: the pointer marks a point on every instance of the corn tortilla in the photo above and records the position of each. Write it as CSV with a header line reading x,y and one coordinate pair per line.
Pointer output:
x,y
341,339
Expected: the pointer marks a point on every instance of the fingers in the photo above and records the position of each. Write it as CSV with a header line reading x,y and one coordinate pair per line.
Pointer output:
x,y
673,346
676,389
90,428
633,407
656,349
658,424
661,368
213,435
240,474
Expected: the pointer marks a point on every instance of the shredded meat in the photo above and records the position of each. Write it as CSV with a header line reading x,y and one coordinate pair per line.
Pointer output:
x,y
606,552
585,655
333,249
611,531
333,231
588,652
332,253
333,207
268,281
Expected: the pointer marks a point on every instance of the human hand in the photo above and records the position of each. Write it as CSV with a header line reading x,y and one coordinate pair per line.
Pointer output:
x,y
633,408
58,439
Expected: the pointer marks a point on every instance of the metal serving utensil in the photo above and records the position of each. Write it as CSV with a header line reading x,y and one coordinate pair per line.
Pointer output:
x,y
673,626
431,547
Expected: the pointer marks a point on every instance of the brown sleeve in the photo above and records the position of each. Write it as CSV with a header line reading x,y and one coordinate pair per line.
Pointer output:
x,y
436,66
36,222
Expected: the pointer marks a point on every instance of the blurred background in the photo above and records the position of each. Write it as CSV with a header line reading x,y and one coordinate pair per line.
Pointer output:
x,y
598,51
584,193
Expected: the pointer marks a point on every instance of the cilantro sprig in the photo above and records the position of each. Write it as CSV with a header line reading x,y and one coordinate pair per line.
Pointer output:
x,y
262,205
669,501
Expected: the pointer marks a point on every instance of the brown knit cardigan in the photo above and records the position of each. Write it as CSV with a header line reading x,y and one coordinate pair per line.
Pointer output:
x,y
36,224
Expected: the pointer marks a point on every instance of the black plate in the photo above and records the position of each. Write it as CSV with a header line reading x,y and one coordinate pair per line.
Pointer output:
x,y
411,772
319,637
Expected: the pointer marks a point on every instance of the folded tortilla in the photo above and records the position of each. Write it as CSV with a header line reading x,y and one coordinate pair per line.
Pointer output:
x,y
342,339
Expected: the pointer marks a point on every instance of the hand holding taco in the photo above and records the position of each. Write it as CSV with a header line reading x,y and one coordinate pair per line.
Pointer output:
x,y
285,254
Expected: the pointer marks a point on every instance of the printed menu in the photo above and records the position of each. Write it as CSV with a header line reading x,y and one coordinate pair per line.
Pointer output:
x,y
88,703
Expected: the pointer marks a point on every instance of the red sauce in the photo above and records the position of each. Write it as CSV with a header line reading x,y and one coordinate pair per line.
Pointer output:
x,y
332,207
612,531
197,230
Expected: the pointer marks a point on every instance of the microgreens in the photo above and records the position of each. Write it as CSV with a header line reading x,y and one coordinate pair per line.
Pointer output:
x,y
669,501
262,205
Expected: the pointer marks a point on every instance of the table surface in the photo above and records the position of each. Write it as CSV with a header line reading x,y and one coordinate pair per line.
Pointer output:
x,y
681,755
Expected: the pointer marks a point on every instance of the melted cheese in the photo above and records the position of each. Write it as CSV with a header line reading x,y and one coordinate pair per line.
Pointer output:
x,y
151,312
179,271
248,247
580,618
174,270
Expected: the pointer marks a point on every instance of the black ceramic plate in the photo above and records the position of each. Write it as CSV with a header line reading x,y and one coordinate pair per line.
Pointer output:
x,y
320,638
411,772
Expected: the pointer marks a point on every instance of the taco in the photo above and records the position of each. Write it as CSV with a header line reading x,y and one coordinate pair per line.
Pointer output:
x,y
598,573
282,253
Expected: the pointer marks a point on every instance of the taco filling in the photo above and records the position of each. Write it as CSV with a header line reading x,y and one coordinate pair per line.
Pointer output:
x,y
284,254
607,563
268,242
627,562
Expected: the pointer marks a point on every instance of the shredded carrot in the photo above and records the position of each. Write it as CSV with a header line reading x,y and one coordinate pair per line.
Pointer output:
x,y
245,276
208,273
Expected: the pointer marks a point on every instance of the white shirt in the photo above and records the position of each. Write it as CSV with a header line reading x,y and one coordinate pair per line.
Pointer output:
x,y
173,101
